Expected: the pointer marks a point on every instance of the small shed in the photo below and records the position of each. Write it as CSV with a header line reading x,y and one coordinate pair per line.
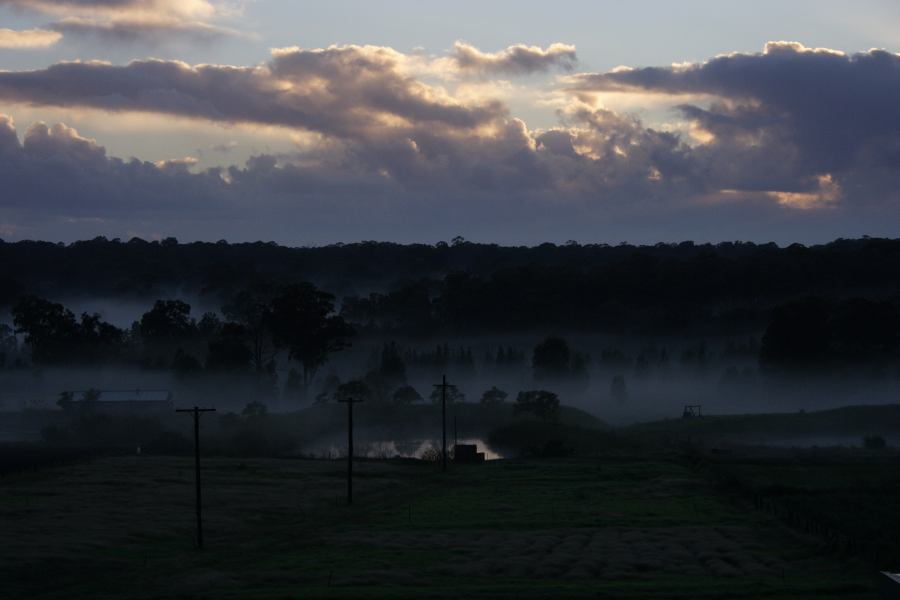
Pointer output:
x,y
692,410
467,453
118,402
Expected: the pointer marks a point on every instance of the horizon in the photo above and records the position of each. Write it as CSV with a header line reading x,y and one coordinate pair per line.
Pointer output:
x,y
452,242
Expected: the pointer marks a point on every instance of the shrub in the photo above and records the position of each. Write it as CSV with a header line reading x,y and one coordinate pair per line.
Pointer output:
x,y
541,403
874,442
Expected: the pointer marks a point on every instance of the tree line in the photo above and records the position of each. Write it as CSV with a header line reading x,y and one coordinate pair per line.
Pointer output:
x,y
465,286
297,319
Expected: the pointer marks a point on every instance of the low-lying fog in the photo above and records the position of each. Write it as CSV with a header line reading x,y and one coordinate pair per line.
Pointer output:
x,y
623,381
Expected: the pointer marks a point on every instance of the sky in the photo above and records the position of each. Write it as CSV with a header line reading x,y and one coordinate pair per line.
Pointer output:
x,y
310,123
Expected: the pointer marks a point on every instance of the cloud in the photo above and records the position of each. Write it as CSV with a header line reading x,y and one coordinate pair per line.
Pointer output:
x,y
57,173
594,182
28,38
517,59
793,138
338,90
785,118
836,106
145,20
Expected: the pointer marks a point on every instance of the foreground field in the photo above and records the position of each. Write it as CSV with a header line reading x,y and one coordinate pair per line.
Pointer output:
x,y
617,527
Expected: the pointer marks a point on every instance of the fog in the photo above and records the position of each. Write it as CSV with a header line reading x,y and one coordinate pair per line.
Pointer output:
x,y
660,377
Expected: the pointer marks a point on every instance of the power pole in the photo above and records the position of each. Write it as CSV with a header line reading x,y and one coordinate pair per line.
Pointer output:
x,y
443,385
196,412
349,402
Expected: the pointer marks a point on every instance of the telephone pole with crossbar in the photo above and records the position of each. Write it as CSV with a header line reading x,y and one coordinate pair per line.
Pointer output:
x,y
443,385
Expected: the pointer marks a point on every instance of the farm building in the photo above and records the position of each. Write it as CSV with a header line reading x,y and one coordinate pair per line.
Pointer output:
x,y
467,453
117,402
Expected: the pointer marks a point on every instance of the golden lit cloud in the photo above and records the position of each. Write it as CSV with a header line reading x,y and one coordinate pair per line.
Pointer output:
x,y
827,195
131,18
28,38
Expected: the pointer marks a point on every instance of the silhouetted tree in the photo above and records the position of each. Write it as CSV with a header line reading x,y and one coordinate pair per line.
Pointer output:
x,y
453,395
664,288
65,400
302,320
406,395
797,336
99,340
863,329
8,343
618,389
228,351
379,387
355,388
540,403
50,329
579,368
328,389
551,359
293,387
209,325
252,308
185,364
874,442
392,367
494,396
54,335
168,320
254,408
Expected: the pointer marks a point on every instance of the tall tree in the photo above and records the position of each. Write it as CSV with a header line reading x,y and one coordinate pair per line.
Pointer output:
x,y
551,359
252,309
227,351
494,396
168,320
302,320
50,329
541,403
55,336
797,337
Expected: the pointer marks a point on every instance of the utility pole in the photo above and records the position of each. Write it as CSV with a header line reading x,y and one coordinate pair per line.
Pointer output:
x,y
349,402
443,385
196,412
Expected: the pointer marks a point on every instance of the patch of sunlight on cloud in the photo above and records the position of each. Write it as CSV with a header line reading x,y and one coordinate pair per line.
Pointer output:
x,y
153,137
11,39
826,196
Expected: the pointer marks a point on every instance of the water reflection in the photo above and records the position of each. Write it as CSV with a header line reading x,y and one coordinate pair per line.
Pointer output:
x,y
422,449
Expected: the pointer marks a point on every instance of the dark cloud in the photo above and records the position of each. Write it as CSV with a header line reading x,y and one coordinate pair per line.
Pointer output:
x,y
837,110
797,140
348,92
518,59
57,176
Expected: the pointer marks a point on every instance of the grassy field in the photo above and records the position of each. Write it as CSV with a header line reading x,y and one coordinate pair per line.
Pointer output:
x,y
845,498
609,527
846,424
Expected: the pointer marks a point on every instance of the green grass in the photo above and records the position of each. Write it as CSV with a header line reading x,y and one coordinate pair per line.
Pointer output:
x,y
614,527
849,420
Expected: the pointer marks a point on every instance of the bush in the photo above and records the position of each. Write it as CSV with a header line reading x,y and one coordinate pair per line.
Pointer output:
x,y
536,438
874,442
541,403
254,409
